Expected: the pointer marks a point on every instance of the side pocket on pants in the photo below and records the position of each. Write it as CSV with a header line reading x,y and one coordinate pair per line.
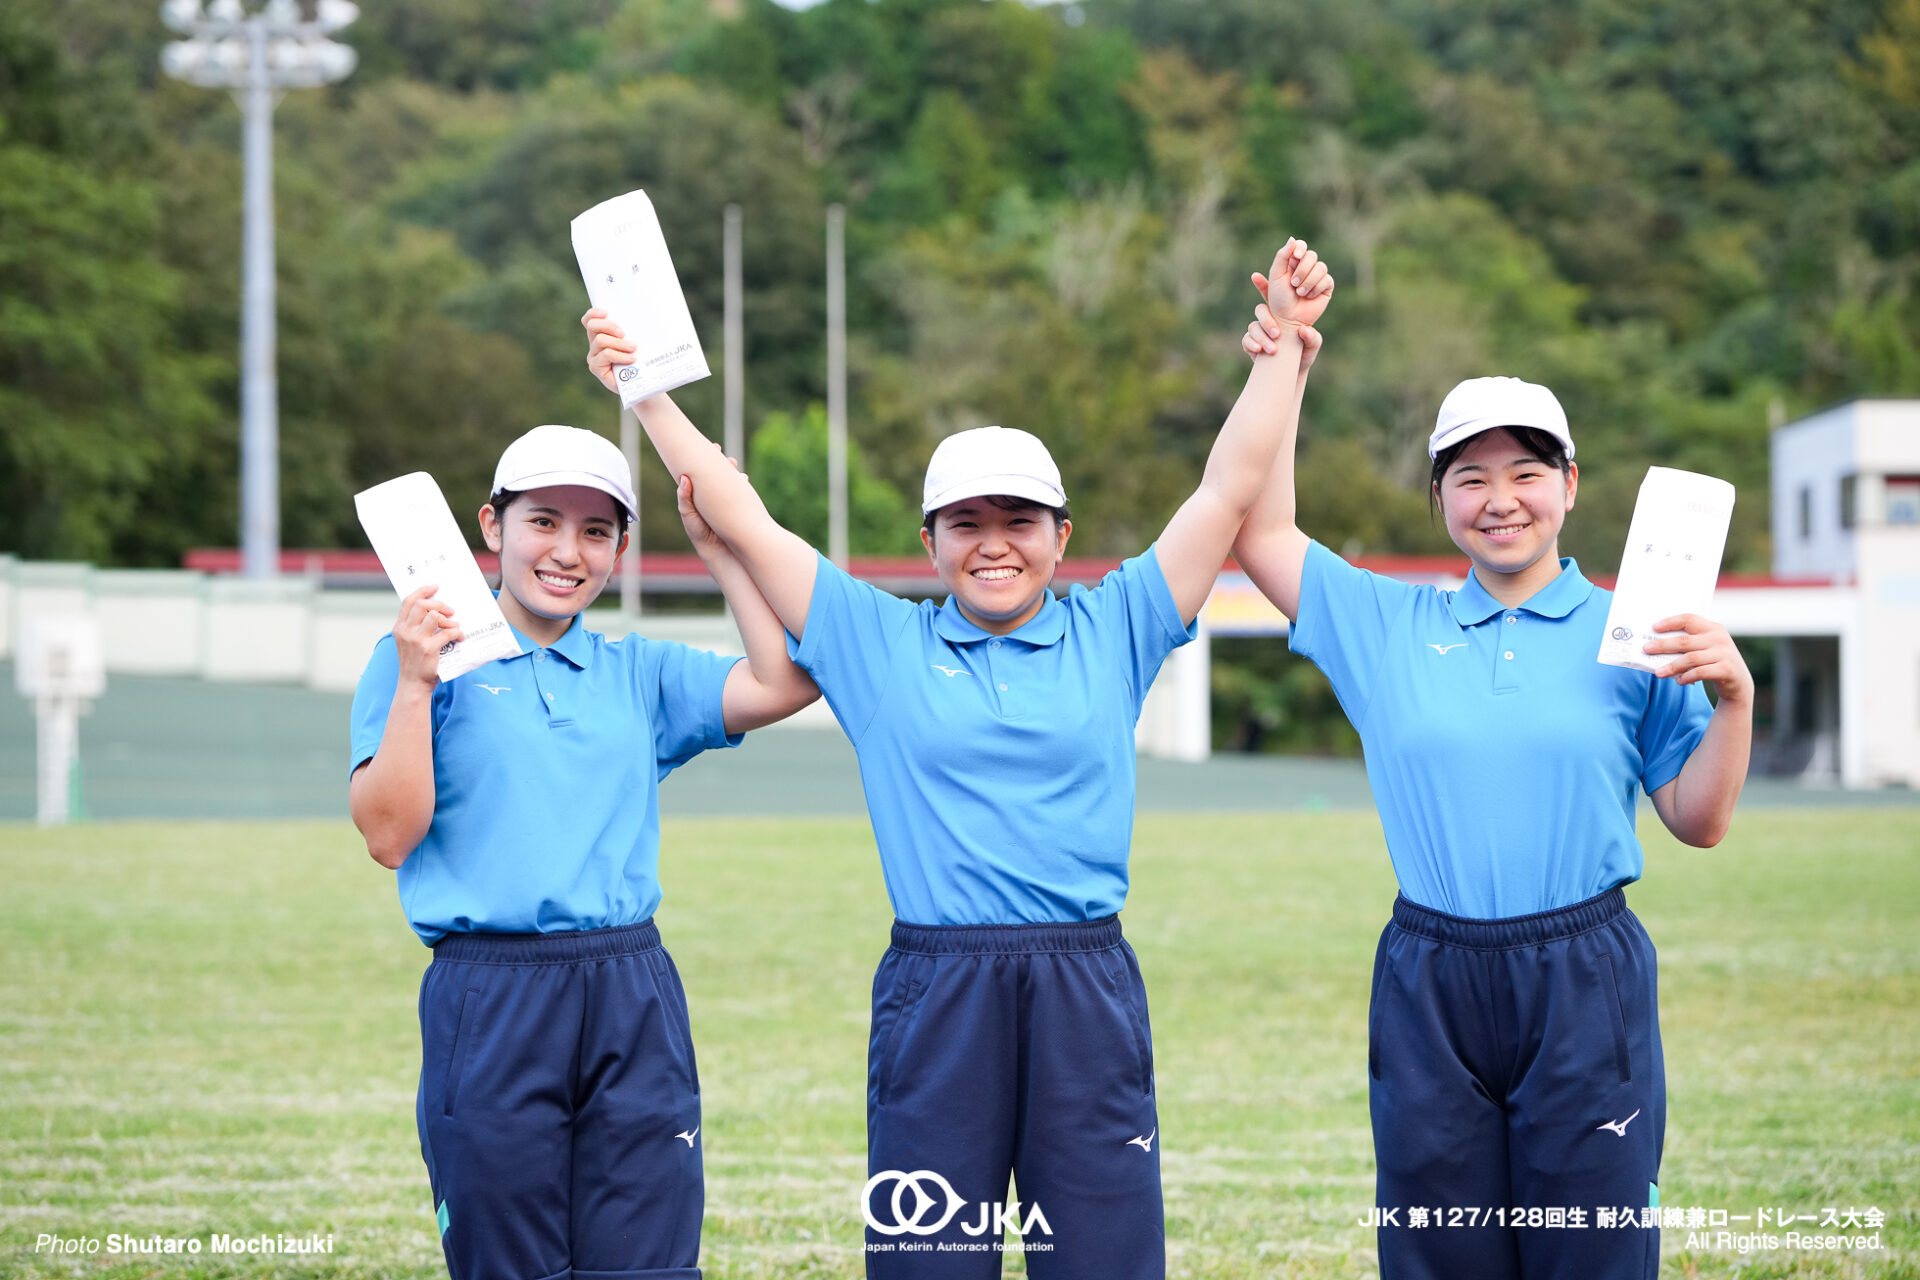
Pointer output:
x,y
896,1036
462,1041
673,1003
1122,971
1373,1008
1616,1012
1136,995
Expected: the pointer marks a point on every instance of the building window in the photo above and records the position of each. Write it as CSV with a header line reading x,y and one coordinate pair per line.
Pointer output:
x,y
1806,513
1903,499
1849,493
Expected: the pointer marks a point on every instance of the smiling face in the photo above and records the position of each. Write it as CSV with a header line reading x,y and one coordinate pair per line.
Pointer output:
x,y
557,549
1504,505
996,562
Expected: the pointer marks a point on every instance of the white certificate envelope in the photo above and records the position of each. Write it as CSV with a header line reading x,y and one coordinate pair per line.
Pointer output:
x,y
623,258
414,534
1672,560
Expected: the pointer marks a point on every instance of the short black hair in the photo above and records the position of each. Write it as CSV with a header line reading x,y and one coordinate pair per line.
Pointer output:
x,y
1543,445
1006,502
503,498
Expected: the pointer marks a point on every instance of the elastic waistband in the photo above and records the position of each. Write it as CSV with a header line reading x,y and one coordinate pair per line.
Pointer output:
x,y
564,947
1512,931
1005,939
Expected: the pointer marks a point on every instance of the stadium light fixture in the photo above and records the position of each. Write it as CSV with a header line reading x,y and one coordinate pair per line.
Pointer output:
x,y
257,57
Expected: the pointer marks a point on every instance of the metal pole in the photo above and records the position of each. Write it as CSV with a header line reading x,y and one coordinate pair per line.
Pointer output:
x,y
837,384
58,719
259,384
630,562
735,436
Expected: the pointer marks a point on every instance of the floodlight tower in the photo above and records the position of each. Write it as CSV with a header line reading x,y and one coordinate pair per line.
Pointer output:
x,y
258,56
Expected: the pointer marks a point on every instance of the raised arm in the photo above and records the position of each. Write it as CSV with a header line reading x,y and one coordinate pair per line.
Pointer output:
x,y
1270,547
1196,540
391,796
767,686
780,563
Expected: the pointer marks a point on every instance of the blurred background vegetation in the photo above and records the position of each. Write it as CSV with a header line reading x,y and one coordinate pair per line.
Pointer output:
x,y
1685,216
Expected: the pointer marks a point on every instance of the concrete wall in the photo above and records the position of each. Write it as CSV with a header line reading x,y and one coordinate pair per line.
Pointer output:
x,y
177,622
1810,456
1886,692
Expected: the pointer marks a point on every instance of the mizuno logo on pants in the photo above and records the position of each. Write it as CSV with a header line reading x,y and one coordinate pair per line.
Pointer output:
x,y
1619,1127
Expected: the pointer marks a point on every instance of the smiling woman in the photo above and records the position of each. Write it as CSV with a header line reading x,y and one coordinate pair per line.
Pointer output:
x,y
995,737
1514,1050
997,552
519,804
557,551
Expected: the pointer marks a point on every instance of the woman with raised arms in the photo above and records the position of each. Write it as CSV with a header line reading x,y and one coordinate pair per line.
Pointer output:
x,y
1513,1037
995,739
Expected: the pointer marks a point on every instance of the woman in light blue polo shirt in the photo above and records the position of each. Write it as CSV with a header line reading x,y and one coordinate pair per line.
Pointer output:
x,y
995,739
1516,1081
559,1107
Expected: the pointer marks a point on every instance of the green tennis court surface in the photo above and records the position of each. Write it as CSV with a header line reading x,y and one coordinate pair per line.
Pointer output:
x,y
209,1029
183,748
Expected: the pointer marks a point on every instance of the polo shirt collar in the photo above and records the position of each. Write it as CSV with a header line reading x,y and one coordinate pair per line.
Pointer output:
x,y
574,644
1044,628
1473,605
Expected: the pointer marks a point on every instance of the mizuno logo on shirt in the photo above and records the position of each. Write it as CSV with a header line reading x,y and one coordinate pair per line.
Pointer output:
x,y
950,672
1444,649
495,690
1619,1127
689,1135
1145,1144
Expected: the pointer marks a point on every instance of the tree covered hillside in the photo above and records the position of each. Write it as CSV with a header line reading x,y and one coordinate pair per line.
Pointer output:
x,y
1680,214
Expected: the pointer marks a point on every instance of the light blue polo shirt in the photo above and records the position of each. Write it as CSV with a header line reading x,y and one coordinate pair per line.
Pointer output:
x,y
999,770
546,777
1505,759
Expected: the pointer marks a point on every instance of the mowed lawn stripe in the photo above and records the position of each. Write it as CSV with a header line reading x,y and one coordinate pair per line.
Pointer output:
x,y
211,1027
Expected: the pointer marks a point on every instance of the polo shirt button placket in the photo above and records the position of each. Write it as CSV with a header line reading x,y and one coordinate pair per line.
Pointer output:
x,y
1506,675
994,646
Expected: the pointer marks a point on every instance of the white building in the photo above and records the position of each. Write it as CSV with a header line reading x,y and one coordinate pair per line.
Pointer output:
x,y
1846,604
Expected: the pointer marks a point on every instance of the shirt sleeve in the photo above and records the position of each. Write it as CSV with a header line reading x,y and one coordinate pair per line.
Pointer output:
x,y
1136,597
686,687
372,699
1346,615
1675,721
849,643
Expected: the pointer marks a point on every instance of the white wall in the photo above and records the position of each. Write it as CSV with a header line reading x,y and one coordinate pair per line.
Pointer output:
x,y
1888,744
179,622
1813,454
152,621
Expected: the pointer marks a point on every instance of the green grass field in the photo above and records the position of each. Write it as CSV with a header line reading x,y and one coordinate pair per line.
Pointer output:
x,y
211,1028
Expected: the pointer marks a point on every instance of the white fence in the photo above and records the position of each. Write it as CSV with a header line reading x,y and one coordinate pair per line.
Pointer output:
x,y
179,622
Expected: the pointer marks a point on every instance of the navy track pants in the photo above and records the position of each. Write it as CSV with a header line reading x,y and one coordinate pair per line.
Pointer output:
x,y
1516,1083
1021,1049
559,1107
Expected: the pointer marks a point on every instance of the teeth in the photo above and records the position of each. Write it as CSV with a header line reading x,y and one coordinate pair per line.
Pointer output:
x,y
995,575
555,580
1505,529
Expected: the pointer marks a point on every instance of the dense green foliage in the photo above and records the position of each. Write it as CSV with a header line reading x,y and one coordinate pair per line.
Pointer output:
x,y
1683,215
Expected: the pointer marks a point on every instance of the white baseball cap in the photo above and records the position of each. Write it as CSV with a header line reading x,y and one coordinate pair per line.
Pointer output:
x,y
1482,404
552,455
991,460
